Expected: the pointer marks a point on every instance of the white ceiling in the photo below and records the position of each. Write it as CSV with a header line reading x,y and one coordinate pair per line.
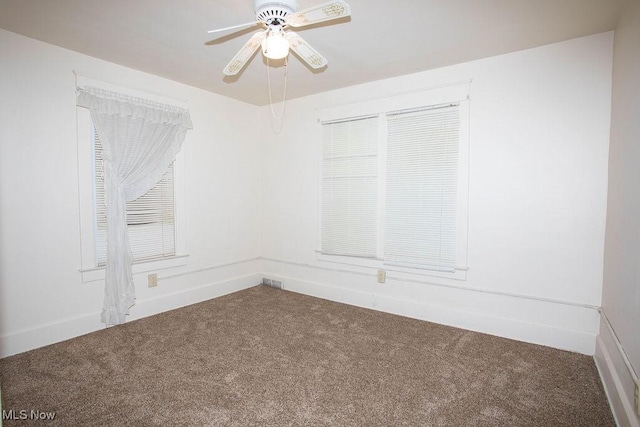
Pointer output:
x,y
381,39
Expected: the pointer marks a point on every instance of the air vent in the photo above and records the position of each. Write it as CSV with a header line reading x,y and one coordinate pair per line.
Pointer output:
x,y
274,283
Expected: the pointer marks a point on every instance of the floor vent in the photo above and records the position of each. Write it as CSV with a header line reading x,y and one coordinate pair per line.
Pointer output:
x,y
274,283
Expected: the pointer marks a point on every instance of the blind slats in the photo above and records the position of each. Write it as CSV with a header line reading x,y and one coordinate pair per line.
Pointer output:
x,y
422,178
150,218
420,187
350,187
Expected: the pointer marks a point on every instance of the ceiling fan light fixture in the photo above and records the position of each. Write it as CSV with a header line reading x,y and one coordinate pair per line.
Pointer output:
x,y
276,17
275,46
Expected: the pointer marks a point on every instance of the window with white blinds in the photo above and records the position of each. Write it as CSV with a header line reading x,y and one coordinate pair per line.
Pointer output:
x,y
350,187
150,218
421,192
394,183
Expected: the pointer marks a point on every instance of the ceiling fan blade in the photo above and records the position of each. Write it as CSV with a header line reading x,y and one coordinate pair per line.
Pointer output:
x,y
320,13
305,51
246,53
246,24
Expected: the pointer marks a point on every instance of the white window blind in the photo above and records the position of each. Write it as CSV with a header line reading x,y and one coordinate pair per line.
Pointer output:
x,y
350,187
421,188
150,218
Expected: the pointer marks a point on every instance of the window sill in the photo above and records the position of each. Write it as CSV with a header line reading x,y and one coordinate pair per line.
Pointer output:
x,y
97,273
460,273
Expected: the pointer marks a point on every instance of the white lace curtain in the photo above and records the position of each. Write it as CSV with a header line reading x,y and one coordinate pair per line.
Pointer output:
x,y
140,139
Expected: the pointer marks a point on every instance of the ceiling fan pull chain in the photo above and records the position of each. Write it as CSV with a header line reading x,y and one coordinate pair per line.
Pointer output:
x,y
280,116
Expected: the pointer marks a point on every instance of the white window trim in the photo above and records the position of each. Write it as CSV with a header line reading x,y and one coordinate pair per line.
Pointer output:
x,y
89,270
455,93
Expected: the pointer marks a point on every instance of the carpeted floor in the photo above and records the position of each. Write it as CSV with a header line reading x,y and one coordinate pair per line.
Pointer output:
x,y
275,358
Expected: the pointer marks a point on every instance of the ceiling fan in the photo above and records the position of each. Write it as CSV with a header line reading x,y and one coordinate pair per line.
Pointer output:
x,y
275,16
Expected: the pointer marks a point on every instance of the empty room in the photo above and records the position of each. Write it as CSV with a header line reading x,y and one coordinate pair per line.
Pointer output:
x,y
301,212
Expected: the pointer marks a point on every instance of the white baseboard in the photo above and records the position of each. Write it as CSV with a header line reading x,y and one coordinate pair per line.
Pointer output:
x,y
618,381
567,327
70,328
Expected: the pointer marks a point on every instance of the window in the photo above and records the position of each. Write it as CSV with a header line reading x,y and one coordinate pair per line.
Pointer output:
x,y
350,187
422,169
150,218
152,254
394,184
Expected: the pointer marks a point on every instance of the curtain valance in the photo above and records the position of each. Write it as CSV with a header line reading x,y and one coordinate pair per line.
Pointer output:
x,y
111,103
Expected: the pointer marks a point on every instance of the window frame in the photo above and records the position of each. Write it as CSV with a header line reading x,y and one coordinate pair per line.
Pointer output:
x,y
89,270
459,94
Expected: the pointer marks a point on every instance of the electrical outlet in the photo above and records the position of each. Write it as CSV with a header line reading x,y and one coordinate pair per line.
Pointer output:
x,y
382,276
638,399
153,280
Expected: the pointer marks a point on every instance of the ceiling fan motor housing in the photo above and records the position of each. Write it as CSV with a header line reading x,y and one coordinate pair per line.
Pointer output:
x,y
274,11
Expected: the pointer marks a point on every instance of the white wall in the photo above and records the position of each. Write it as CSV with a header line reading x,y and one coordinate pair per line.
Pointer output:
x,y
538,182
42,297
621,288
538,174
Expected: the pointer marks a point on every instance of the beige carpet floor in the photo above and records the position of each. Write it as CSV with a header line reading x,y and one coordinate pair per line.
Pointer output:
x,y
269,357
